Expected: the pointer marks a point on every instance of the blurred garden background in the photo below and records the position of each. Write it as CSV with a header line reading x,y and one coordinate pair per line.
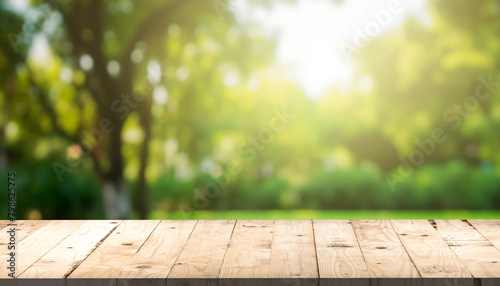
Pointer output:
x,y
237,109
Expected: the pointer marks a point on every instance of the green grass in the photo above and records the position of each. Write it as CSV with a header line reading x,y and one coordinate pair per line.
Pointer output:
x,y
341,214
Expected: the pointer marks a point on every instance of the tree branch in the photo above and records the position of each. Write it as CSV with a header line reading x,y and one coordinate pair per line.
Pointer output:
x,y
71,18
52,113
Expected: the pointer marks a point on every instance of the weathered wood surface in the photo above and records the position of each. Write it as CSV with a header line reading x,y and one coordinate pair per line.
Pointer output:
x,y
251,252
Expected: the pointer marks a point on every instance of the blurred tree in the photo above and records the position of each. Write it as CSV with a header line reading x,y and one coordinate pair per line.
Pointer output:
x,y
117,51
171,95
436,66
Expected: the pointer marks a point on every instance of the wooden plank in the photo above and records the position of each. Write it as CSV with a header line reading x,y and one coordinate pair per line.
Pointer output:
x,y
293,253
3,223
428,251
24,228
255,252
109,259
157,255
34,246
70,252
249,253
338,252
489,228
384,254
204,251
474,250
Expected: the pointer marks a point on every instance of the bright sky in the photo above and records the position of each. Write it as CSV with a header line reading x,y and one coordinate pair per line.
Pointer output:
x,y
312,33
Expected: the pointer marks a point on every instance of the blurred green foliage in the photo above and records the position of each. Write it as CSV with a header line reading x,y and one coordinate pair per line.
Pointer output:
x,y
222,88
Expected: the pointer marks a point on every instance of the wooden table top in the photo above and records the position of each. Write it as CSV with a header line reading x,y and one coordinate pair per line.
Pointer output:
x,y
220,252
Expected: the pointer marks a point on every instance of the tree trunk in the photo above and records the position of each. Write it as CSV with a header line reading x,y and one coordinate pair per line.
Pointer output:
x,y
116,195
9,91
115,191
143,190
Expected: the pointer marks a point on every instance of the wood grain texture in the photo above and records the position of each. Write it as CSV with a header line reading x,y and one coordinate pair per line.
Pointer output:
x,y
338,252
69,253
204,251
490,229
24,228
249,253
3,223
254,252
39,242
158,254
474,250
293,253
384,254
428,251
109,259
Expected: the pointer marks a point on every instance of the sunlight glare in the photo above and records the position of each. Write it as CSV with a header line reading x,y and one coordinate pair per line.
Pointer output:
x,y
311,32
